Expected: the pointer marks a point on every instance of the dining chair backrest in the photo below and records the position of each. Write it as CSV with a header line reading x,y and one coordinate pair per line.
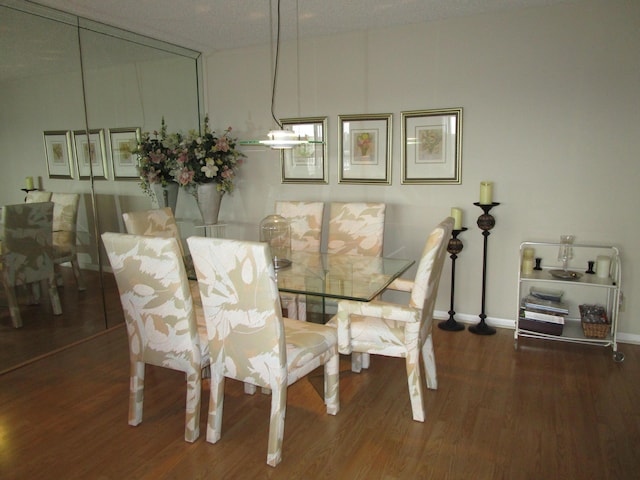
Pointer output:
x,y
356,228
65,217
159,222
36,196
305,220
160,317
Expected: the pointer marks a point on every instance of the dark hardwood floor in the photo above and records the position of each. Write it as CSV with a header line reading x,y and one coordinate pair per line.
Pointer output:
x,y
547,411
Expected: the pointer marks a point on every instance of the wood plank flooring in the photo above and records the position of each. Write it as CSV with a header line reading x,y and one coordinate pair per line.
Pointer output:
x,y
546,411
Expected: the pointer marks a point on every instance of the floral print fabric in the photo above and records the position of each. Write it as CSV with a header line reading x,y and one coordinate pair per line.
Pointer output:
x,y
248,338
395,330
160,317
356,228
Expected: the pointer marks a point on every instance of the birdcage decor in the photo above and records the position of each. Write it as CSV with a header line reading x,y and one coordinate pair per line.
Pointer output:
x,y
276,231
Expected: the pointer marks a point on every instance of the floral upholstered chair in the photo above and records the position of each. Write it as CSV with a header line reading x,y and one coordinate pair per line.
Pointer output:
x,y
27,253
158,222
249,340
65,217
395,330
305,219
356,228
160,318
36,196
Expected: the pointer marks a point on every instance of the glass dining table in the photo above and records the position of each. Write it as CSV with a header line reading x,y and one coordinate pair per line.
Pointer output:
x,y
322,276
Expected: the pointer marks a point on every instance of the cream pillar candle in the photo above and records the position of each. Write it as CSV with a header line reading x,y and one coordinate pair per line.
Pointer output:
x,y
527,266
603,265
456,213
486,193
28,183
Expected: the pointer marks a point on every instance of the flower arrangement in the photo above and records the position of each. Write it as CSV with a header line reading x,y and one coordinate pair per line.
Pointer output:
x,y
207,158
156,153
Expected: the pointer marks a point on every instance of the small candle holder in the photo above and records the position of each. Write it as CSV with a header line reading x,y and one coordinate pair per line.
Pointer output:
x,y
454,247
538,262
590,265
485,222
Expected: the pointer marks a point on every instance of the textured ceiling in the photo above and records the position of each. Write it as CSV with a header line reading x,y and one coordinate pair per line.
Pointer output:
x,y
207,25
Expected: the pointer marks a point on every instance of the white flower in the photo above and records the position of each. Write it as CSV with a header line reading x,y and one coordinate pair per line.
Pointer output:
x,y
210,169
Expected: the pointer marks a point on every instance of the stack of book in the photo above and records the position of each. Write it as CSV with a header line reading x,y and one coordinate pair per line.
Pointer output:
x,y
541,314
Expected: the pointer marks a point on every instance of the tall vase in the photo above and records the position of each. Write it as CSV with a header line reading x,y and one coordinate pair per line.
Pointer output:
x,y
209,200
166,196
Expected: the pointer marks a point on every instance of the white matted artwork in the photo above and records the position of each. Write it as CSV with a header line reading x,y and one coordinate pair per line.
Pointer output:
x,y
365,148
58,148
305,163
124,143
90,154
432,146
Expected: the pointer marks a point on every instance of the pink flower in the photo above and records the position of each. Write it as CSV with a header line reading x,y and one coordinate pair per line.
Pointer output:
x,y
157,156
222,145
185,177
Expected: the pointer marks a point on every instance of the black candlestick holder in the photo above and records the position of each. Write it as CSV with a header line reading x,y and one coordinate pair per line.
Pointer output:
x,y
454,247
485,222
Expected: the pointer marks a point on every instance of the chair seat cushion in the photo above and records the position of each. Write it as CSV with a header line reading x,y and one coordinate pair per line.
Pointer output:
x,y
306,341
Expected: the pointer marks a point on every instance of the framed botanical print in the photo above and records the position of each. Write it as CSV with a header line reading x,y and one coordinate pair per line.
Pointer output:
x,y
90,154
432,146
58,148
365,149
123,143
306,163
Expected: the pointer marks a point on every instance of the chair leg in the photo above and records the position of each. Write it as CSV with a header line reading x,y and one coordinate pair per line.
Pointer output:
x,y
415,386
53,295
332,383
249,388
78,274
192,415
276,425
356,362
216,404
14,309
429,359
136,392
366,360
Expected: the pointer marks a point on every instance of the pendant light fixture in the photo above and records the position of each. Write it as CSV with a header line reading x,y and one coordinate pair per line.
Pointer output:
x,y
281,138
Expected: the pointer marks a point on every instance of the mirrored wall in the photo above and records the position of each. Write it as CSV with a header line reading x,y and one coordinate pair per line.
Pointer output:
x,y
64,74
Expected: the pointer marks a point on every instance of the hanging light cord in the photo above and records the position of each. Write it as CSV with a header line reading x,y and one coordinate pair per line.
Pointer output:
x,y
275,69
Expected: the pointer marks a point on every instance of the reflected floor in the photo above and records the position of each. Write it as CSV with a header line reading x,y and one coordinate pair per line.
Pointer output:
x,y
82,316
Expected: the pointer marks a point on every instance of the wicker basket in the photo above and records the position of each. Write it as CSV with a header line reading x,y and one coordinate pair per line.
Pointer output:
x,y
595,323
595,330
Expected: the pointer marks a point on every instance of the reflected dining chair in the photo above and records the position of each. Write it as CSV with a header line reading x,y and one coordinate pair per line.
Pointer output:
x,y
160,318
36,196
396,330
305,220
65,218
356,228
249,340
27,253
158,222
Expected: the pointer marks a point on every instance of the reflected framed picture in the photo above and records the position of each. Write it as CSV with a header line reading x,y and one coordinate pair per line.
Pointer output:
x,y
123,143
90,154
306,163
365,149
58,148
432,146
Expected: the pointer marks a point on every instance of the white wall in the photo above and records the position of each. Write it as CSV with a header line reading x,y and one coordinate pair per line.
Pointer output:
x,y
551,115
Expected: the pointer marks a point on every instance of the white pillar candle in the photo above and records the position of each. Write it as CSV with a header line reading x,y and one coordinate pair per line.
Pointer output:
x,y
456,213
527,266
528,253
603,265
486,193
28,183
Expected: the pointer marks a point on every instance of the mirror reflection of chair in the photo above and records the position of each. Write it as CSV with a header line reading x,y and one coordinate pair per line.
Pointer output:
x,y
396,330
36,196
305,220
158,222
249,340
65,217
27,253
160,318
